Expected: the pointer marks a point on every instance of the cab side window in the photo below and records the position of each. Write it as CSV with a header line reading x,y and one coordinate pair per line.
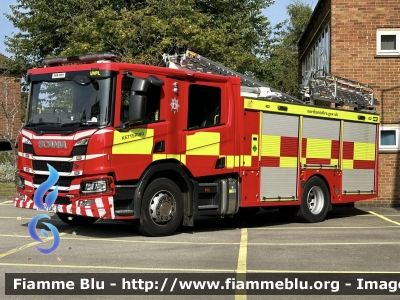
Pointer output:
x,y
204,106
153,101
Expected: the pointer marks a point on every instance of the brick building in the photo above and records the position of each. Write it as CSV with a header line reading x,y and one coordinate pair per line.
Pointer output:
x,y
10,101
360,40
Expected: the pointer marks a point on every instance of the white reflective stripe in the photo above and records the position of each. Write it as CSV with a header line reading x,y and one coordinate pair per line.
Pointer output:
x,y
68,159
102,212
74,187
84,134
111,203
27,134
89,212
91,156
52,158
74,173
60,188
101,131
77,136
28,183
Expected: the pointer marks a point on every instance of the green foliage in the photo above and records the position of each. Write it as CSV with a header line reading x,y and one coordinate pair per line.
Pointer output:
x,y
282,67
232,32
7,171
6,158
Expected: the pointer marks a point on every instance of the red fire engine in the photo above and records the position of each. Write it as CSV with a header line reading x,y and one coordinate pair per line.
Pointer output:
x,y
162,145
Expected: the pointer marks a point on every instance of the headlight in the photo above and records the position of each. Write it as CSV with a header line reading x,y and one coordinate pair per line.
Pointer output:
x,y
20,182
26,141
95,186
82,142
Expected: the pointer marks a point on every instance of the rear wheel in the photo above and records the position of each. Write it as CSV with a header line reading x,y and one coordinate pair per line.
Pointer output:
x,y
315,201
162,208
76,220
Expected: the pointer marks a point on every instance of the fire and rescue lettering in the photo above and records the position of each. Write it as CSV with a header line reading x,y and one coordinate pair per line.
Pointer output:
x,y
132,135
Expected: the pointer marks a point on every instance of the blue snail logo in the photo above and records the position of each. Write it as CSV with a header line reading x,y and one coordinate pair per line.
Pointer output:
x,y
50,199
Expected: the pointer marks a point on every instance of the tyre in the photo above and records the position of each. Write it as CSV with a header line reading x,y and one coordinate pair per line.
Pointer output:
x,y
315,202
162,208
76,220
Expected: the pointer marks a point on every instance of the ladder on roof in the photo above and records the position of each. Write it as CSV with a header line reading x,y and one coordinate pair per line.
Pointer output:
x,y
320,86
249,87
323,86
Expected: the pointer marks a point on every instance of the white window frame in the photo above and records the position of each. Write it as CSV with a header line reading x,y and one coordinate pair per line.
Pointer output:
x,y
379,34
396,129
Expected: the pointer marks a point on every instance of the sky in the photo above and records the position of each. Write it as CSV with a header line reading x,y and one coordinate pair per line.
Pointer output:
x,y
276,13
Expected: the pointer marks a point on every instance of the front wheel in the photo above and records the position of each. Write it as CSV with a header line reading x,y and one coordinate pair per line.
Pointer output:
x,y
76,220
314,201
162,208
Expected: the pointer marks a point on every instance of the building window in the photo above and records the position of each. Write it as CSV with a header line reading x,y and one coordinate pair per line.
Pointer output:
x,y
389,138
388,42
318,57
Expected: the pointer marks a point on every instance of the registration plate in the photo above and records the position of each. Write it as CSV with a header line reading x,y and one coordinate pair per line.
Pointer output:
x,y
49,209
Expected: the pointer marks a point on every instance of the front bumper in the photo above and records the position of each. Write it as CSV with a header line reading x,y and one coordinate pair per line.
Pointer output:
x,y
102,208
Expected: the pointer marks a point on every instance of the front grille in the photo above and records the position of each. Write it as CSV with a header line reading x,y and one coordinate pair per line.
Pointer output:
x,y
59,200
60,166
63,201
79,150
28,149
62,181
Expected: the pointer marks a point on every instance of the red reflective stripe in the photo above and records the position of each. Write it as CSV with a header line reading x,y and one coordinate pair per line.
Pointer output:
x,y
363,164
289,146
335,149
304,148
348,150
318,161
269,161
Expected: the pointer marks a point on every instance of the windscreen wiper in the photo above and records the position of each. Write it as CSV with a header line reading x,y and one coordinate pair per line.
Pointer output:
x,y
73,123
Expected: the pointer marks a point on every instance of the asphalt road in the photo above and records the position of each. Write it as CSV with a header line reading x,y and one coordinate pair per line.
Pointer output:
x,y
349,241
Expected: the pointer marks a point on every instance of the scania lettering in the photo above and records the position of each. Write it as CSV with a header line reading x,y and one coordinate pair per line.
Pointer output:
x,y
52,144
159,146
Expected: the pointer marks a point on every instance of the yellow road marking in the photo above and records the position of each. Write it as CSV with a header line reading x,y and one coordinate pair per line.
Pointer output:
x,y
323,271
8,201
35,243
130,241
384,218
321,227
121,268
242,264
6,204
325,244
17,218
398,215
242,257
60,266
242,247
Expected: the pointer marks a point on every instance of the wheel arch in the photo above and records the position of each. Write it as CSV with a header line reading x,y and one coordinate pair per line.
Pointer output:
x,y
173,170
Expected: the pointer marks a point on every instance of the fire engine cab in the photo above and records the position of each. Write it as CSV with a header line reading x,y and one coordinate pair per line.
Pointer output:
x,y
162,145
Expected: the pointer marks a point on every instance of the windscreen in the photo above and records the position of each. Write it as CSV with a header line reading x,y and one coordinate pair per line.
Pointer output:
x,y
67,102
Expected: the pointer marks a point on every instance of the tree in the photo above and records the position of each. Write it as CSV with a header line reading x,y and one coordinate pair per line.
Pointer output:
x,y
232,32
11,106
282,66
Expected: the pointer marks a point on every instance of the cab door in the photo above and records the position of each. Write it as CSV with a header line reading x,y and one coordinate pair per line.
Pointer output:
x,y
206,138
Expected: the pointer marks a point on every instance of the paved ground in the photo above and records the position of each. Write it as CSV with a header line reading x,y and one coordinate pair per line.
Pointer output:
x,y
350,240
